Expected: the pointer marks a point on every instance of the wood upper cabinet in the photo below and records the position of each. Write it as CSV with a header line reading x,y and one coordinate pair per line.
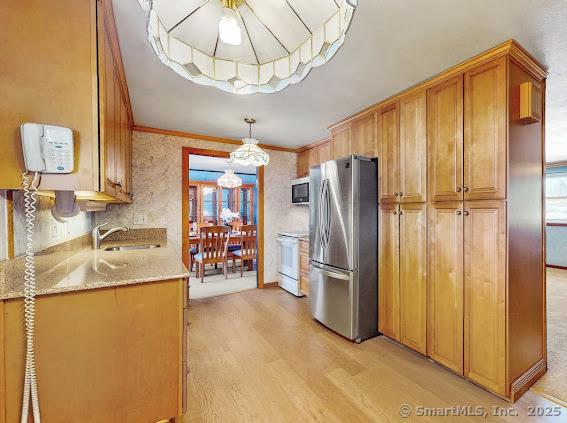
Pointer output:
x,y
413,281
413,149
115,134
303,164
485,294
364,136
388,272
389,142
445,285
324,152
445,140
485,131
312,157
340,142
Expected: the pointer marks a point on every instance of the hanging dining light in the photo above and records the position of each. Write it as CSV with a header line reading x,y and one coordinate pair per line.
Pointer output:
x,y
249,153
229,180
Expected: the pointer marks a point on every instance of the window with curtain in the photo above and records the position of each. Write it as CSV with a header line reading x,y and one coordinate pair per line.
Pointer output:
x,y
556,194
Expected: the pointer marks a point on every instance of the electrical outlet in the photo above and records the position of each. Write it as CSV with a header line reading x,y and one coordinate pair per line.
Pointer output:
x,y
140,218
53,230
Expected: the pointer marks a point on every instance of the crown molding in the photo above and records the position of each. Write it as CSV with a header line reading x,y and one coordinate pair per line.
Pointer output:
x,y
509,47
191,135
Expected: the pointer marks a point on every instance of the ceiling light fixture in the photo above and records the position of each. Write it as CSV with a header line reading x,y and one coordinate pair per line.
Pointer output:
x,y
249,153
246,47
229,30
229,180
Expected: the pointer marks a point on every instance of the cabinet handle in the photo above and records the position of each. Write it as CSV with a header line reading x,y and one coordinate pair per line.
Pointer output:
x,y
400,212
466,213
465,189
118,184
458,189
401,193
458,212
396,194
395,212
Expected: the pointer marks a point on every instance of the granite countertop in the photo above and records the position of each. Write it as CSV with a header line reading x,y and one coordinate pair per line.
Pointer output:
x,y
92,269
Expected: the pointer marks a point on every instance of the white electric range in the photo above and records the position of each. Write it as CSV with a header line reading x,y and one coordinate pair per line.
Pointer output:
x,y
288,261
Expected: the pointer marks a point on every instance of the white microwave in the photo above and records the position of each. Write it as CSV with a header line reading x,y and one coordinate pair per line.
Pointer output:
x,y
300,191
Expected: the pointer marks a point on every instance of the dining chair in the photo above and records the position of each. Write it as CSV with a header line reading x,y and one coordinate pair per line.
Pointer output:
x,y
194,246
248,247
213,245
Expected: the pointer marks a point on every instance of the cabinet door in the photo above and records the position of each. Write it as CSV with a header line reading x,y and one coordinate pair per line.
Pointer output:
x,y
485,131
340,142
303,164
324,152
485,289
364,134
445,140
389,141
313,154
108,117
388,272
413,276
413,146
118,141
445,285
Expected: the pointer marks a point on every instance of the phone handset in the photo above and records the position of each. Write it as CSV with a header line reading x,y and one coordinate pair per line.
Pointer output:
x,y
47,148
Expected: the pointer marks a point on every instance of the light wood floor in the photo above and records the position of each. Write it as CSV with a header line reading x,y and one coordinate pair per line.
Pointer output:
x,y
258,356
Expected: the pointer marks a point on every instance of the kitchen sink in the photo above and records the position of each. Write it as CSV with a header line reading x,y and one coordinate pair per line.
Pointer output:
x,y
132,247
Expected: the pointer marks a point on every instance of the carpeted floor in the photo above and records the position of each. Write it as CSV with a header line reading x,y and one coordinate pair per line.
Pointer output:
x,y
553,384
215,284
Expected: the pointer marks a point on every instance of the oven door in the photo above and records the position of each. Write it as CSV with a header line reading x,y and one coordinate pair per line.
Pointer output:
x,y
300,193
288,263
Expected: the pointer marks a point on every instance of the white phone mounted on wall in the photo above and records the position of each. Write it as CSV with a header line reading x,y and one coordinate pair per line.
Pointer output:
x,y
47,148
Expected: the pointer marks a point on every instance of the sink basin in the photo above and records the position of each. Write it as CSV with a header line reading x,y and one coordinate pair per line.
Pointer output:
x,y
132,247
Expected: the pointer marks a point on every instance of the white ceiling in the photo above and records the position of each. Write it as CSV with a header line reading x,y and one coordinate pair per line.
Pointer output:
x,y
390,46
217,164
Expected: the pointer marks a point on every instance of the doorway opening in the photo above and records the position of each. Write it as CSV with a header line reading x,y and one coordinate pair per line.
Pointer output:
x,y
222,224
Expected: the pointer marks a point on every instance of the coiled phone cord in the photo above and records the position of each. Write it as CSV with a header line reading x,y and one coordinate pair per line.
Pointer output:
x,y
30,379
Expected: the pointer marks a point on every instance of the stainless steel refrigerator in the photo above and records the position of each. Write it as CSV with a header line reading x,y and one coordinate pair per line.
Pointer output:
x,y
343,234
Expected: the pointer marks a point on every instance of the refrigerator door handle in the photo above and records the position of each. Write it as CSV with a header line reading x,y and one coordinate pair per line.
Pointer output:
x,y
330,273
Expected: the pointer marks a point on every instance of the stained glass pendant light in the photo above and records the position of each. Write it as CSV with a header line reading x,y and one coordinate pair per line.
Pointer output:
x,y
229,180
249,153
247,46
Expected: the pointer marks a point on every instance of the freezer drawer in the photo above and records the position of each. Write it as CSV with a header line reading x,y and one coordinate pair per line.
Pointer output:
x,y
332,298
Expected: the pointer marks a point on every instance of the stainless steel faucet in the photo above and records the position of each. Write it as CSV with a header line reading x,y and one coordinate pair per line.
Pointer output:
x,y
97,237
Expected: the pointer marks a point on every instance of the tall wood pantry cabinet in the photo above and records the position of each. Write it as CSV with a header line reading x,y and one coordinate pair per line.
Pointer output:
x,y
461,239
65,69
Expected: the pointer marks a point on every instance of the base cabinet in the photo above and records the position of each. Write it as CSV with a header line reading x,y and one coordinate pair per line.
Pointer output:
x,y
104,355
445,285
485,293
402,274
304,266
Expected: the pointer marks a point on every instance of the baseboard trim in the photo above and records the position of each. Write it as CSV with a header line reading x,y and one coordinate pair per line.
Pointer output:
x,y
555,266
270,284
525,382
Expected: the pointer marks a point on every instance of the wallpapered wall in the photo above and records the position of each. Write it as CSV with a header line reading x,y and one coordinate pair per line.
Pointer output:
x,y
47,231
156,188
